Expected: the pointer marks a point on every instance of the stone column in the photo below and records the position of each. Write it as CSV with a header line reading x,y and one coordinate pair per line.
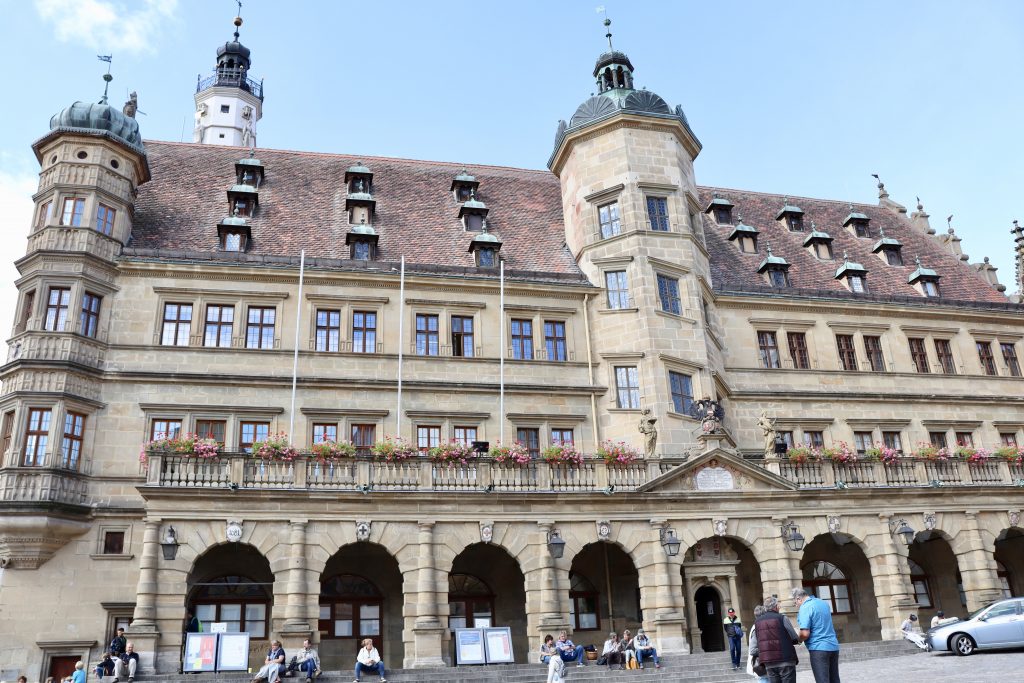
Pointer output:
x,y
890,574
144,632
428,631
296,626
734,598
780,566
543,591
977,565
661,596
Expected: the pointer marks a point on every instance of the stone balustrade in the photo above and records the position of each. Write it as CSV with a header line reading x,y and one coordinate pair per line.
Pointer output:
x,y
37,485
906,472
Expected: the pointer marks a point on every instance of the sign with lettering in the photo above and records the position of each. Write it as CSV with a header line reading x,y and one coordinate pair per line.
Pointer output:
x,y
714,479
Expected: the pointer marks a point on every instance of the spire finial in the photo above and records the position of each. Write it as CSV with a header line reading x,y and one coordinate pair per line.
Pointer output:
x,y
917,261
920,206
846,257
882,194
881,232
238,18
949,223
106,77
814,227
607,25
768,246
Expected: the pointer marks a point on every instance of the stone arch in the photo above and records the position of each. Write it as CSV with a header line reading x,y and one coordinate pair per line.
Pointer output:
x,y
707,633
935,575
1009,554
498,569
232,583
360,595
848,587
610,568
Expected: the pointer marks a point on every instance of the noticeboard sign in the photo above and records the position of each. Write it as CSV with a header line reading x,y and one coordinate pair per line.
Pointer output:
x,y
200,652
498,644
469,646
233,653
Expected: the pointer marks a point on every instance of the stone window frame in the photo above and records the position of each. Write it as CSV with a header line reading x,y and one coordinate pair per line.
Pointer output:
x,y
682,366
117,612
1016,429
877,428
782,327
597,200
447,421
347,306
444,310
929,335
232,416
81,649
59,408
545,423
101,531
617,264
858,330
995,340
199,298
277,326
538,316
343,419
799,427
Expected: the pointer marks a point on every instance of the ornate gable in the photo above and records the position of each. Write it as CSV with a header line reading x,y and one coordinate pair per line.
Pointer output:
x,y
715,471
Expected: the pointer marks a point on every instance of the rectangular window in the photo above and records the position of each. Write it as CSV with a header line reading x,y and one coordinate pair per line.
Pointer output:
x,y
965,439
938,439
618,289
259,332
1009,352
857,284
45,212
930,287
428,437
787,437
988,361
363,438
219,325
427,338
873,350
164,429
462,336
232,241
798,350
945,353
57,309
814,439
608,216
893,257
769,349
465,435
251,432
823,250
37,433
847,353
796,222
522,339
657,213
364,332
71,214
212,429
6,432
561,437
554,340
862,441
892,440
88,320
681,388
668,294
1006,439
919,355
860,228
325,431
627,387
105,219
328,330
113,542
723,215
71,446
27,310
529,437
778,277
177,324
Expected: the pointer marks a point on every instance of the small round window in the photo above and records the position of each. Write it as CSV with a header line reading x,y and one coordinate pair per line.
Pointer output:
x,y
114,163
82,155
53,159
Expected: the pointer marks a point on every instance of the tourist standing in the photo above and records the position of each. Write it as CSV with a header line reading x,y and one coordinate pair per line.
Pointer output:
x,y
734,632
752,649
817,632
775,643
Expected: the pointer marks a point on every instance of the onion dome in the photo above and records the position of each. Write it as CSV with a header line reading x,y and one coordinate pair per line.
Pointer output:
x,y
103,119
233,51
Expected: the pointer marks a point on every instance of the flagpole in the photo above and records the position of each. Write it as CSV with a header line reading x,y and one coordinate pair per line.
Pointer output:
x,y
295,357
501,356
401,346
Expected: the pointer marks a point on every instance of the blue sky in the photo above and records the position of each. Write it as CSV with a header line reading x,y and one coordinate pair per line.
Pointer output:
x,y
799,98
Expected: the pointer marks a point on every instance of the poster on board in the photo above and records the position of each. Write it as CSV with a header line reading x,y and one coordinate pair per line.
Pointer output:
x,y
234,652
498,642
469,646
200,652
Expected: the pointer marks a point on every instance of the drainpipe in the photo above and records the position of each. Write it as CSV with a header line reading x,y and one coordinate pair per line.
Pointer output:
x,y
590,371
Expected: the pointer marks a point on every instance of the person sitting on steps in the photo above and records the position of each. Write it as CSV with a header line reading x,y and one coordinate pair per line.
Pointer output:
x,y
368,660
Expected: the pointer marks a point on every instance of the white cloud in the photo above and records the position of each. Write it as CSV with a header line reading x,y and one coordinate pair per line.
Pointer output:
x,y
107,26
16,191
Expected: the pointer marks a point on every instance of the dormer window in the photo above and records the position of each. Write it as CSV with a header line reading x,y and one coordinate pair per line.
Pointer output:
x,y
857,223
464,186
854,275
243,200
362,240
234,233
473,213
775,268
889,250
362,251
924,280
241,206
249,171
721,210
793,217
893,257
359,203
233,241
820,243
485,248
930,287
486,257
857,284
745,237
359,179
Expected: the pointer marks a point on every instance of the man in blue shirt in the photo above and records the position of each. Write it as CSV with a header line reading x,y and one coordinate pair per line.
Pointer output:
x,y
815,623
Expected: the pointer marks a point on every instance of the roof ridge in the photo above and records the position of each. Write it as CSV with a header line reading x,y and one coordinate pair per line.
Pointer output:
x,y
791,197
458,164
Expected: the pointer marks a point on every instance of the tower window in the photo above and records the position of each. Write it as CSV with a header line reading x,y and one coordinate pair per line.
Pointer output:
x,y
105,219
88,322
657,213
618,289
71,214
224,109
668,294
608,217
45,213
57,309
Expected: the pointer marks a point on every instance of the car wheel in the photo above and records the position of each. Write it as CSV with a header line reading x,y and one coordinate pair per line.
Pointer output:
x,y
963,644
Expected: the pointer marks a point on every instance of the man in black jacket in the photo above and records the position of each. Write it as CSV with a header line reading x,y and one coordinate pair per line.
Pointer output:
x,y
775,639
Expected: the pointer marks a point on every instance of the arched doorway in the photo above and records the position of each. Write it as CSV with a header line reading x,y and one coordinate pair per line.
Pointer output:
x,y
731,566
1010,556
232,584
708,604
935,576
487,588
605,591
837,571
360,597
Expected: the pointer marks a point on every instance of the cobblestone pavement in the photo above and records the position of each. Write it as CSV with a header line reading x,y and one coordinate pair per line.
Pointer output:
x,y
981,667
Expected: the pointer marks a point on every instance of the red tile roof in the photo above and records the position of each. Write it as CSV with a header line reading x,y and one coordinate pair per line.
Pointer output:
x,y
302,206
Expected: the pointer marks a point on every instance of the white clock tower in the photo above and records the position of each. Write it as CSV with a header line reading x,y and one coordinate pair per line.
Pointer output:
x,y
229,103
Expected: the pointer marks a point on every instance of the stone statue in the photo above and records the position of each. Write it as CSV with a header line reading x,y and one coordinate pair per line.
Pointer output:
x,y
767,425
650,432
132,105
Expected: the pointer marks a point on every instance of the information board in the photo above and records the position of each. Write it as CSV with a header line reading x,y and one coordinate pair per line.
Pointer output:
x,y
498,642
469,646
200,652
233,654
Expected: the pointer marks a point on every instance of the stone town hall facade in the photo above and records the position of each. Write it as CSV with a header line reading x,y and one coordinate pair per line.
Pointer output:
x,y
160,295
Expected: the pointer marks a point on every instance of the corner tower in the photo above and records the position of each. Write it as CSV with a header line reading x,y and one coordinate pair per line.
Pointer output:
x,y
229,102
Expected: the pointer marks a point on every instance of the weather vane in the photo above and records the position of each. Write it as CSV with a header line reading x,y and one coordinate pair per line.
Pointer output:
x,y
109,59
608,24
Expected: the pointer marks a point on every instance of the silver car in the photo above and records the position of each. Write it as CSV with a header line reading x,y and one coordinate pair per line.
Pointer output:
x,y
1000,624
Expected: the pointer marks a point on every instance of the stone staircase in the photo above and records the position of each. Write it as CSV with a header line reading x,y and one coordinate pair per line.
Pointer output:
x,y
713,667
